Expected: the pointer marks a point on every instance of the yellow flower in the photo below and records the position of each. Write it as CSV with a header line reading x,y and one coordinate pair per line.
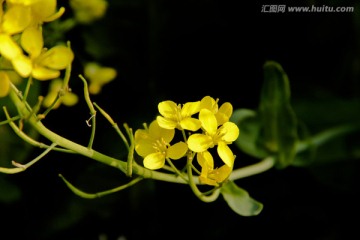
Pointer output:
x,y
46,64
87,11
222,114
68,98
44,11
222,136
209,175
153,144
4,84
15,19
175,116
98,76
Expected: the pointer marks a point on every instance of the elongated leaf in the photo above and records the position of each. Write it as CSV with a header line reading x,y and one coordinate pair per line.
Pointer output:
x,y
277,116
250,126
239,200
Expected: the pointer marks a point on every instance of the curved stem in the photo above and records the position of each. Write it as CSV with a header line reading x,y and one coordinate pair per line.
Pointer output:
x,y
250,170
205,198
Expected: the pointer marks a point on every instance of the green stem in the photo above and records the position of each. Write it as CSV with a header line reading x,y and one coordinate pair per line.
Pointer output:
x,y
99,194
250,170
205,198
90,153
327,135
92,112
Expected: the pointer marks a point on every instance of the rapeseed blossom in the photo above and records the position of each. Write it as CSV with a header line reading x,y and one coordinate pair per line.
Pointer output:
x,y
153,144
177,116
214,135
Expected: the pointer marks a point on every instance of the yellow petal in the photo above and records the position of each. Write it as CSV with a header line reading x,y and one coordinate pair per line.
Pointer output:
x,y
191,124
190,108
231,131
94,88
16,19
106,74
41,73
161,133
199,142
32,41
43,9
55,16
4,84
205,160
22,65
8,48
224,113
177,150
166,123
220,174
168,109
226,154
69,99
58,57
209,103
154,161
98,74
49,99
208,120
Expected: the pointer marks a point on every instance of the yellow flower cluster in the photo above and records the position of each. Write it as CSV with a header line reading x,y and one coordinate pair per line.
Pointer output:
x,y
211,128
22,43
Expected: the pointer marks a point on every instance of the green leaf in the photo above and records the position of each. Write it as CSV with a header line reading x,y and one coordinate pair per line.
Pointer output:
x,y
249,125
239,200
278,118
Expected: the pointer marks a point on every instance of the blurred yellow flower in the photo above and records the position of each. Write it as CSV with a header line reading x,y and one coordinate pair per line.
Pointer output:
x,y
46,64
98,76
55,88
87,11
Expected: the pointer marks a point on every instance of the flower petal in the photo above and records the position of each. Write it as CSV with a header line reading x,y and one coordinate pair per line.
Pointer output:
x,y
32,41
208,121
58,57
231,132
191,124
166,123
16,19
154,161
224,113
205,160
220,174
4,84
177,151
41,73
199,142
161,133
69,99
209,103
226,154
8,47
168,109
22,65
190,108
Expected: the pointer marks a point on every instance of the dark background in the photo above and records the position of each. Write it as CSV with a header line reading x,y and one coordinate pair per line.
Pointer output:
x,y
183,51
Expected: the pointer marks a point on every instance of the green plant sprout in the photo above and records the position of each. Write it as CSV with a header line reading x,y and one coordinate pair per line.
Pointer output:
x,y
186,143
